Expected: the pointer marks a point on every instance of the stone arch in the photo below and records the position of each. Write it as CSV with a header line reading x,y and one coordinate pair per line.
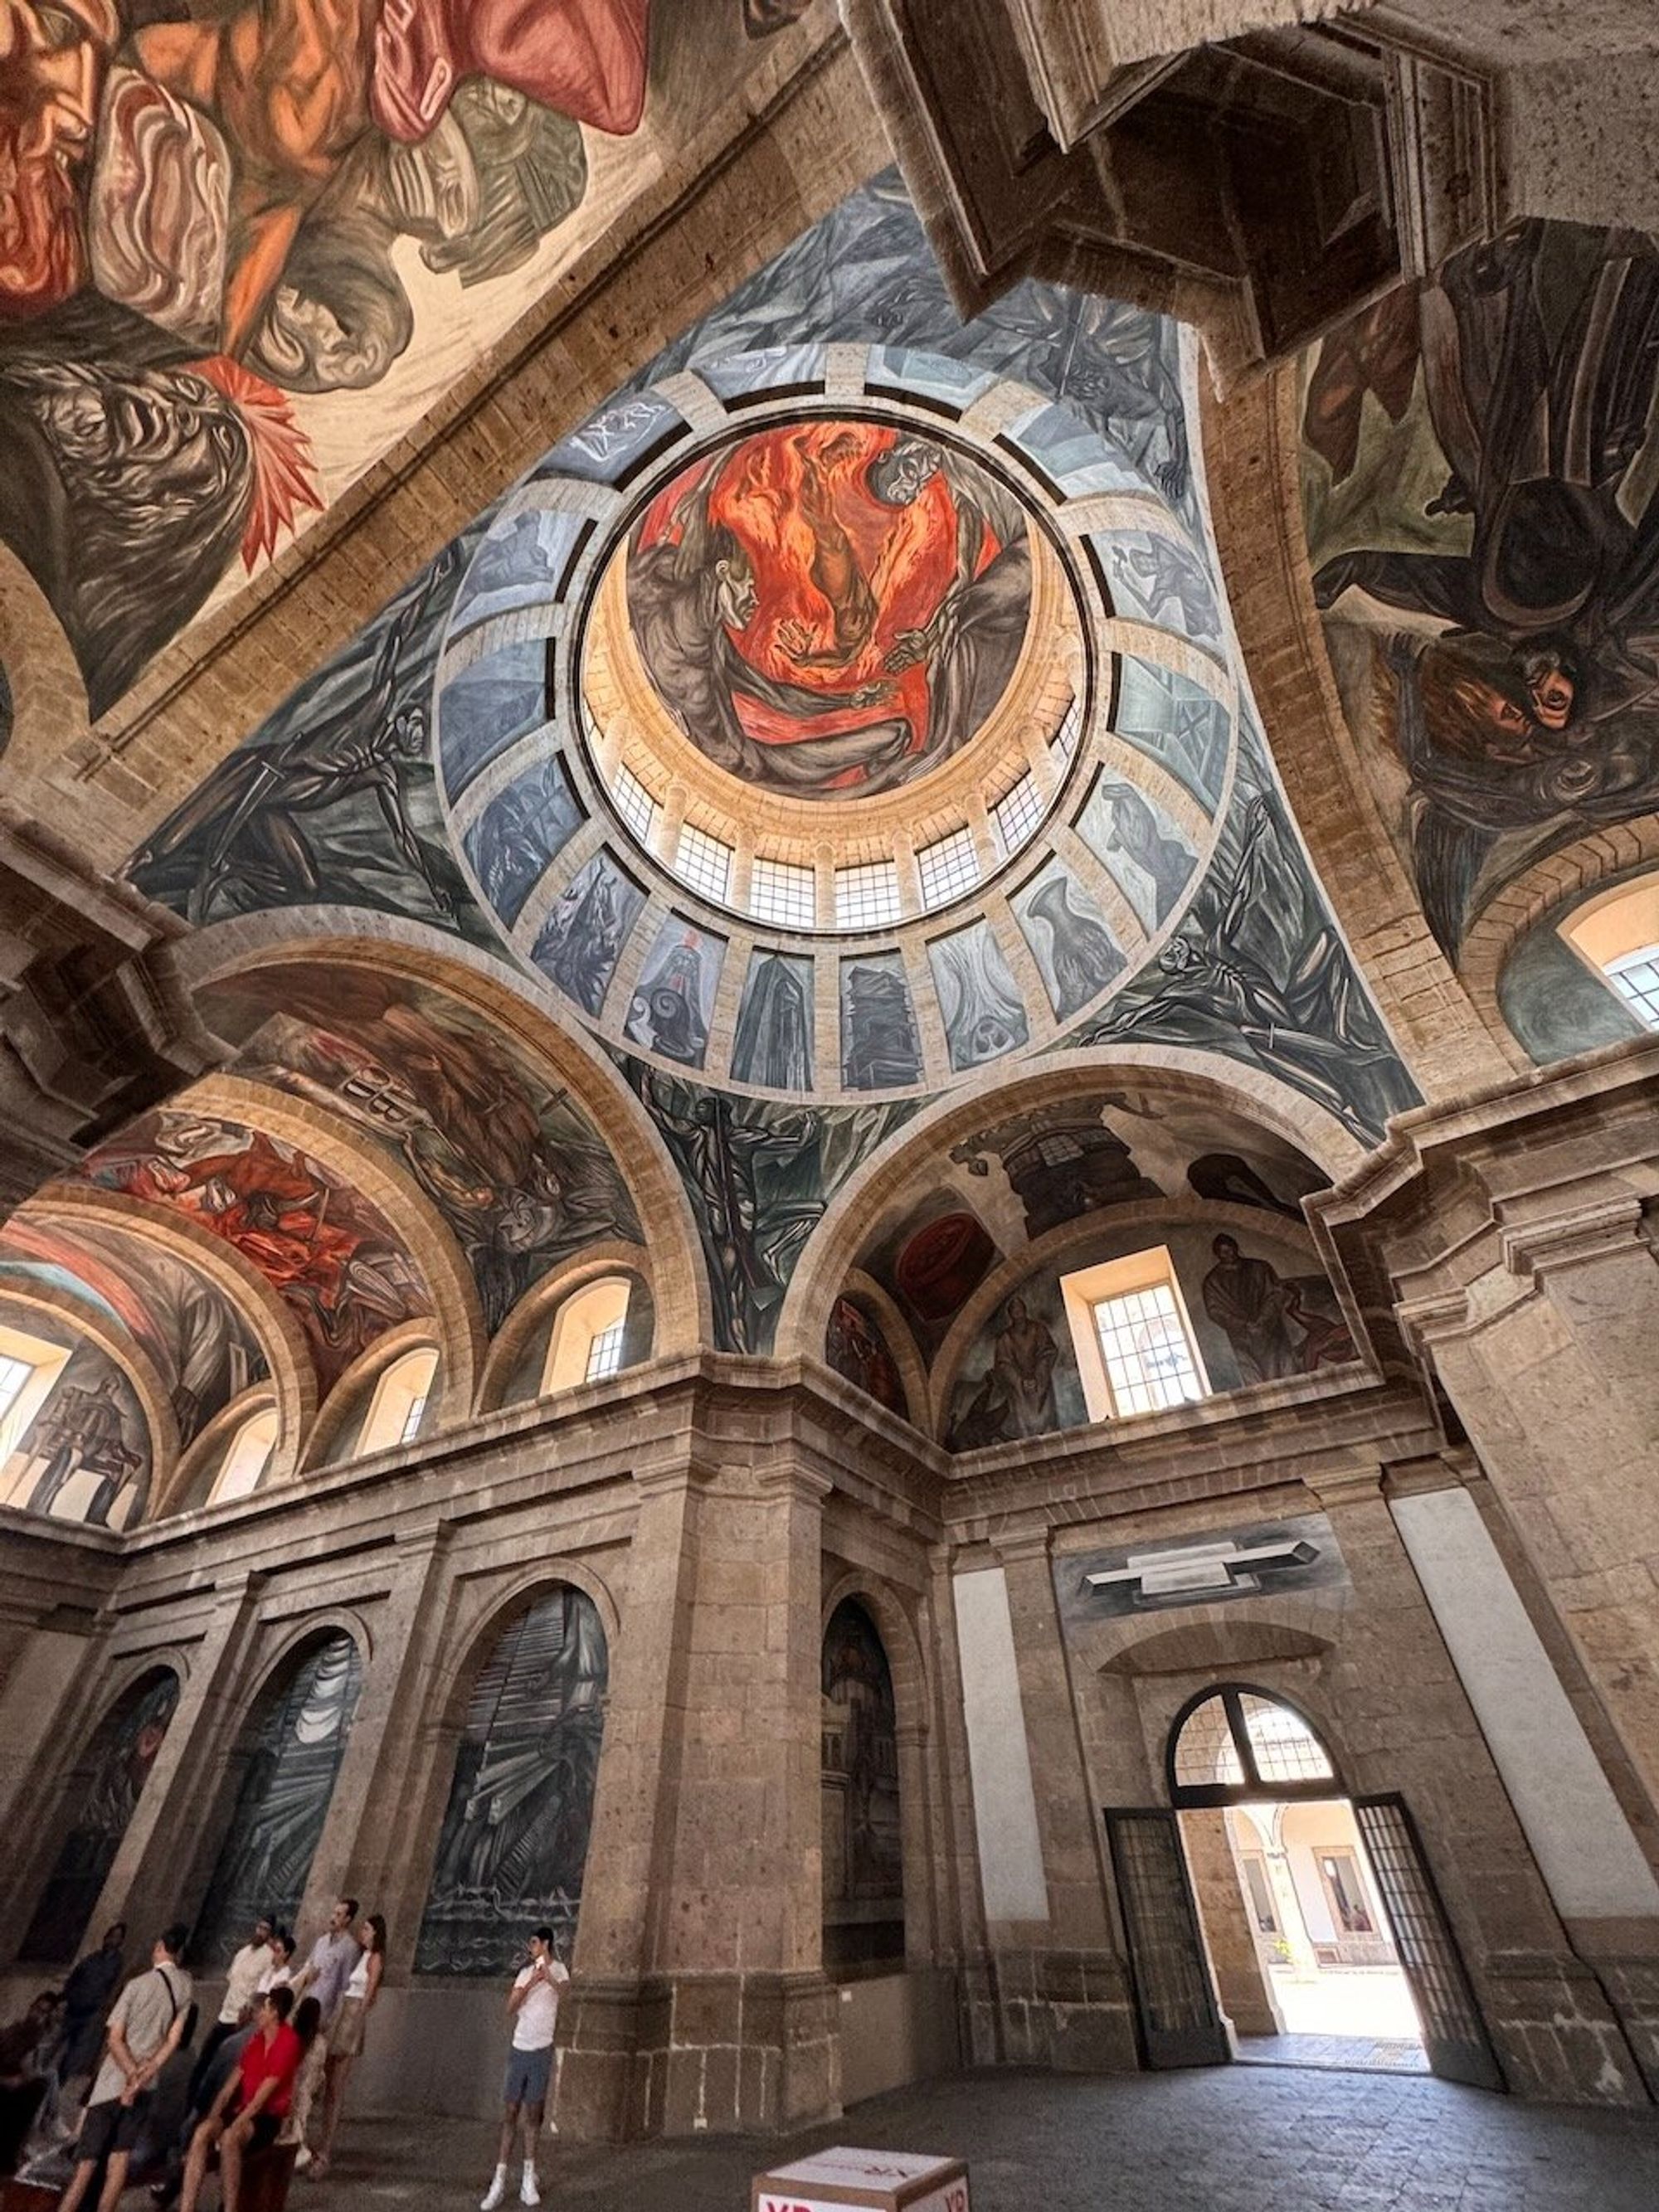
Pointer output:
x,y
835,1242
542,1301
352,1392
278,1332
197,1467
92,1324
1549,888
530,1015
1009,1273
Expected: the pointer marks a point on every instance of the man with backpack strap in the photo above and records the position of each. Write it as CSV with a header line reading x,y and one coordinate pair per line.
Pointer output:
x,y
145,2029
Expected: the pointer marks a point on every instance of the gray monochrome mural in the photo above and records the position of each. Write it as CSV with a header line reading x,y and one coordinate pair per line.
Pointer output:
x,y
1278,1559
289,1759
515,1830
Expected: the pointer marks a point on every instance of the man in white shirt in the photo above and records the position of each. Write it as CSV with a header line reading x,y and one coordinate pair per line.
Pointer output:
x,y
532,2006
241,1992
145,2031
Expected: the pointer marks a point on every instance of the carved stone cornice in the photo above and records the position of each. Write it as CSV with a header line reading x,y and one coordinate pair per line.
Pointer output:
x,y
1598,1229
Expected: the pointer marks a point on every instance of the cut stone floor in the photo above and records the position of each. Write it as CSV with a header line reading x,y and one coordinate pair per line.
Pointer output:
x,y
1242,2138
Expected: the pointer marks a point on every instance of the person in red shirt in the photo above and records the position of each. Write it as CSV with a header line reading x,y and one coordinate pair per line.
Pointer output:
x,y
250,2109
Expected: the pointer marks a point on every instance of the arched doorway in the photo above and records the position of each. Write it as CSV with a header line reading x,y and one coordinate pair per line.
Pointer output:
x,y
513,1844
98,1801
288,1757
863,1857
1240,1761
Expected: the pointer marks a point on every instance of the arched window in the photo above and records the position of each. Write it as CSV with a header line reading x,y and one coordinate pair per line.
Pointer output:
x,y
248,1456
1233,1744
586,1340
289,1755
399,1406
514,1837
863,1863
1618,936
101,1798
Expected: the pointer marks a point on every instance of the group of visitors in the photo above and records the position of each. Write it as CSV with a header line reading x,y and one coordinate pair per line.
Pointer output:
x,y
285,2035
283,2032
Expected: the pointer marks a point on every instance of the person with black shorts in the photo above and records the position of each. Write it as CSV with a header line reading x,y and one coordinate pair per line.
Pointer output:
x,y
248,2113
145,2029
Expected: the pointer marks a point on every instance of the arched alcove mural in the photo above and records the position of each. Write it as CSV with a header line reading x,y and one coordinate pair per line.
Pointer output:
x,y
863,1869
289,1755
514,1837
99,1800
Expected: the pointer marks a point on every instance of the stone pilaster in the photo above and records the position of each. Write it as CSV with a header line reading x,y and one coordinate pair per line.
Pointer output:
x,y
1065,2000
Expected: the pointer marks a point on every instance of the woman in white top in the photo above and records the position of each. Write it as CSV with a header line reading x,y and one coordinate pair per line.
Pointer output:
x,y
280,1972
345,2037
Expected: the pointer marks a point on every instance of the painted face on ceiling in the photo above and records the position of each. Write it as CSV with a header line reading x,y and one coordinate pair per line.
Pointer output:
x,y
52,57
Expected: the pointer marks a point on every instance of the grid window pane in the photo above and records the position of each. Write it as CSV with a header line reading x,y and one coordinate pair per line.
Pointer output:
x,y
782,892
605,1351
1143,1342
412,1420
1016,815
866,897
703,861
1205,1751
1285,1748
635,804
1063,743
1635,976
948,868
14,1374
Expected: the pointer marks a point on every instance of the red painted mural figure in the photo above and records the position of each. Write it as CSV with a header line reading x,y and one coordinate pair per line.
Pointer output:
x,y
585,57
53,60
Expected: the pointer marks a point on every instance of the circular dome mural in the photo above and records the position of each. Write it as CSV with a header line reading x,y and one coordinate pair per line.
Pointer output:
x,y
837,734
830,608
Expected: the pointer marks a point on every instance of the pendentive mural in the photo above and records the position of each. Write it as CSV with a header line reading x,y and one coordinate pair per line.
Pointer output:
x,y
288,1758
1480,490
244,249
514,1837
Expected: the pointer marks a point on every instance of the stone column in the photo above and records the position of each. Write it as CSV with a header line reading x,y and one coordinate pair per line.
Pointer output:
x,y
1408,1726
699,1975
1548,1355
1064,1992
1235,1957
363,1850
166,1854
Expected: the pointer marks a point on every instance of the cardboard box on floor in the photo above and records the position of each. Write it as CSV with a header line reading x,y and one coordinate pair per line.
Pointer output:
x,y
874,2180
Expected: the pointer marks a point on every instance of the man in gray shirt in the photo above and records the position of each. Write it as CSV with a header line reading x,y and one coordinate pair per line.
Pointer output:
x,y
324,1976
145,2031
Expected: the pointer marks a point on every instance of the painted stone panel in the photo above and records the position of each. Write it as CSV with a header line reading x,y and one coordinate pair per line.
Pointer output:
x,y
489,703
87,1454
980,1003
673,1001
879,1048
102,1797
856,1347
1075,952
289,1758
519,831
1177,723
773,1046
1146,854
1160,580
1280,1558
515,1831
579,945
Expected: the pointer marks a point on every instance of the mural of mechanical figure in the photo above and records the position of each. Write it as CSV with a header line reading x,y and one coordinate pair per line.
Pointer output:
x,y
1136,833
243,821
84,1428
1255,977
516,1831
687,597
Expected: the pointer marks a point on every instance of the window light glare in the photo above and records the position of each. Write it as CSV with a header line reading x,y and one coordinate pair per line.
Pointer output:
x,y
866,895
782,892
703,861
948,867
